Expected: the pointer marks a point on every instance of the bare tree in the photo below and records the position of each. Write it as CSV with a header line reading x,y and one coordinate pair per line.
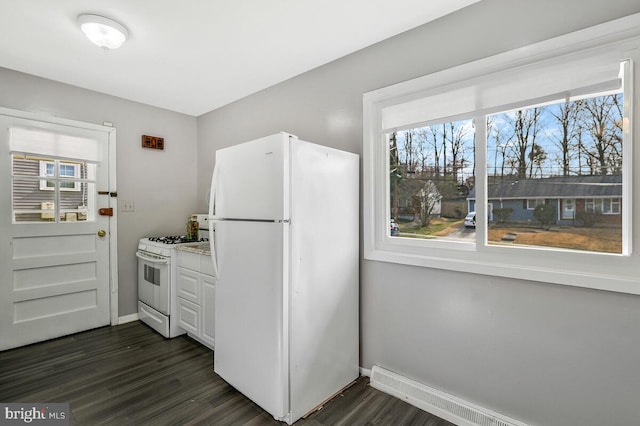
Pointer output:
x,y
425,152
537,157
599,118
458,135
527,131
567,119
523,124
425,202
501,140
407,153
438,145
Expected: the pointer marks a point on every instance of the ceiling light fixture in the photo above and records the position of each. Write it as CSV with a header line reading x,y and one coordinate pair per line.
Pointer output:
x,y
102,31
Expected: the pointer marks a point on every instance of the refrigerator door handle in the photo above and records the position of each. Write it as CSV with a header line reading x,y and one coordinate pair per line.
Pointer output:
x,y
214,188
212,212
212,249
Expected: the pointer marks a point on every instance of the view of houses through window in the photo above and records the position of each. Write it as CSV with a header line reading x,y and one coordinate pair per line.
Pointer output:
x,y
51,190
431,173
554,177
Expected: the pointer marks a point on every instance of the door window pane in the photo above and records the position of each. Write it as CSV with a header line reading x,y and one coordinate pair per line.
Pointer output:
x,y
66,195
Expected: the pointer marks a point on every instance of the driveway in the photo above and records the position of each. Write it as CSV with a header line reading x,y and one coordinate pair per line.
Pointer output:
x,y
467,234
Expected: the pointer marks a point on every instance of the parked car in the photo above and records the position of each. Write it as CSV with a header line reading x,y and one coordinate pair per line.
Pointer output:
x,y
470,220
395,229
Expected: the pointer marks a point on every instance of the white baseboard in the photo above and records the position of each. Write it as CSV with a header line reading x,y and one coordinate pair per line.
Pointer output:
x,y
365,372
441,404
128,318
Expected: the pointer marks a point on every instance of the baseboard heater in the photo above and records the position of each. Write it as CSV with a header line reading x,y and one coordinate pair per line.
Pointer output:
x,y
441,404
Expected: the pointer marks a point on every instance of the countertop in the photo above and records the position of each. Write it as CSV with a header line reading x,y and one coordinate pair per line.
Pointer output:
x,y
202,248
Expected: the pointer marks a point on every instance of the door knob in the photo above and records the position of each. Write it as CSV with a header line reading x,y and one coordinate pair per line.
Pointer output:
x,y
102,233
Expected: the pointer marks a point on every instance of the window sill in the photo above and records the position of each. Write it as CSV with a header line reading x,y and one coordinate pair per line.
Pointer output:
x,y
556,266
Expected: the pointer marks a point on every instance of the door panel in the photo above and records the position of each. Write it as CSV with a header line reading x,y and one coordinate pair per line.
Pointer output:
x,y
251,179
55,268
249,327
569,208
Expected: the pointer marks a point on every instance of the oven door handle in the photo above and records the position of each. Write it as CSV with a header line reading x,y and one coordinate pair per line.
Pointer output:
x,y
151,260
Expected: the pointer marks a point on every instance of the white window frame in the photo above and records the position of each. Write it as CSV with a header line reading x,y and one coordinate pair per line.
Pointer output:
x,y
535,201
616,202
600,203
604,271
43,173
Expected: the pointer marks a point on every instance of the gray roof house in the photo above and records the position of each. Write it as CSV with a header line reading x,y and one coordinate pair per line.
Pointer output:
x,y
569,194
412,191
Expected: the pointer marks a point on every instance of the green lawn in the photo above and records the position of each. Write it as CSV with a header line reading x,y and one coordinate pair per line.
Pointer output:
x,y
438,227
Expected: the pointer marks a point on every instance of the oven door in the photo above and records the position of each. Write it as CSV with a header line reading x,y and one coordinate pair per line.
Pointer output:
x,y
153,281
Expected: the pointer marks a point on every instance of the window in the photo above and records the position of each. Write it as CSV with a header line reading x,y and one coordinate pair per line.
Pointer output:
x,y
557,151
603,205
36,200
65,171
430,173
533,141
533,203
53,176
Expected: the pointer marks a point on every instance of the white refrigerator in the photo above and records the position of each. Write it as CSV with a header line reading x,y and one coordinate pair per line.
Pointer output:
x,y
284,230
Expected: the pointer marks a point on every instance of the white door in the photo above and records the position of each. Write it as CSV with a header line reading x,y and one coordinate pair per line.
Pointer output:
x,y
569,208
251,180
54,246
250,338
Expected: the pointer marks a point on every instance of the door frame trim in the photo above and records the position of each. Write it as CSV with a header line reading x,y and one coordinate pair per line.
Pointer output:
x,y
113,201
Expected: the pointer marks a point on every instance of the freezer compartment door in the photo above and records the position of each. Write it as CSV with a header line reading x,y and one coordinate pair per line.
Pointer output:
x,y
251,180
249,311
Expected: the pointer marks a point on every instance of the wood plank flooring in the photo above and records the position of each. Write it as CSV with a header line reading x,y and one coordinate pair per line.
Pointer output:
x,y
131,375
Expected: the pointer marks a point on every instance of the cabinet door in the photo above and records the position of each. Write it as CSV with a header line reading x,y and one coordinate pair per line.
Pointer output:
x,y
189,316
207,302
188,286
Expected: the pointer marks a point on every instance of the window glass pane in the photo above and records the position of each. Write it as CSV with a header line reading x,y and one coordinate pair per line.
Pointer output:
x,y
566,155
30,204
74,204
615,206
35,199
22,165
68,170
431,170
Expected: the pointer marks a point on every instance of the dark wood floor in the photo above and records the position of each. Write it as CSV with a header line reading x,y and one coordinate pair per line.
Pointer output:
x,y
131,375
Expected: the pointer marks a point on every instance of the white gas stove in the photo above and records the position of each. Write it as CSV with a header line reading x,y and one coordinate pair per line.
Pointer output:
x,y
157,304
166,245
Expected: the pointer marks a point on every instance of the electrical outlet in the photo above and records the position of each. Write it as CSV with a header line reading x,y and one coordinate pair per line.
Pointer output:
x,y
128,206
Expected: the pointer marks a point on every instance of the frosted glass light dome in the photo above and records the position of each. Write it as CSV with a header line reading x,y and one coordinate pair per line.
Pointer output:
x,y
103,32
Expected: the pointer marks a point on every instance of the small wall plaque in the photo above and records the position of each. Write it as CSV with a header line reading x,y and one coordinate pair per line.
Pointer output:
x,y
152,142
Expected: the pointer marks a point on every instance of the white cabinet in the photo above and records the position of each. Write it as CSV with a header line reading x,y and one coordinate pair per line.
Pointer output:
x,y
206,304
196,295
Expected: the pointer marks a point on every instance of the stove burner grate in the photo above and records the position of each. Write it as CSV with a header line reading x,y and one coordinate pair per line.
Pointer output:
x,y
176,239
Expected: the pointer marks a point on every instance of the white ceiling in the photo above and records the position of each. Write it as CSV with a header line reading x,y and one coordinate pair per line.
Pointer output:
x,y
193,56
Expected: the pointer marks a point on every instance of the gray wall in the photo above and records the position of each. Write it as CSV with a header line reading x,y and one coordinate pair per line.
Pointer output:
x,y
160,183
541,353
